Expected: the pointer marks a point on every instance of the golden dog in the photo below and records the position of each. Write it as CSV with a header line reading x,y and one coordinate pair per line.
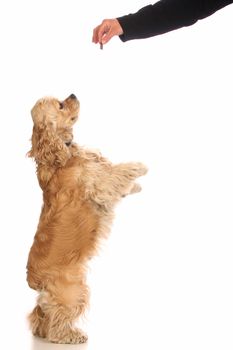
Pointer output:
x,y
80,191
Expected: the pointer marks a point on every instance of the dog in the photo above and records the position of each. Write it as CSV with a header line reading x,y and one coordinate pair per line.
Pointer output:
x,y
80,190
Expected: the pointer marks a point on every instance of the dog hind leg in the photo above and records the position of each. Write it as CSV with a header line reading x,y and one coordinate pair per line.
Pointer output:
x,y
62,304
61,328
37,322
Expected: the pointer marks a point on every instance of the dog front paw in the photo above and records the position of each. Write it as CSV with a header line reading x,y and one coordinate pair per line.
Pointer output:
x,y
139,169
135,188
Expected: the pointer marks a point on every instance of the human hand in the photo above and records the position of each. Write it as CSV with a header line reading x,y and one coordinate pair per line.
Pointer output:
x,y
106,30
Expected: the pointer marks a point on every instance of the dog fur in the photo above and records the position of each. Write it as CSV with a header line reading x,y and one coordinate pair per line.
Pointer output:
x,y
80,190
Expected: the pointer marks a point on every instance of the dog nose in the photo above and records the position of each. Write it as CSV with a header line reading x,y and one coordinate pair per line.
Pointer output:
x,y
73,97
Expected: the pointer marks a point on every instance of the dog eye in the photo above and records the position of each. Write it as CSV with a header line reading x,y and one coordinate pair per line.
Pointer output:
x,y
73,119
61,106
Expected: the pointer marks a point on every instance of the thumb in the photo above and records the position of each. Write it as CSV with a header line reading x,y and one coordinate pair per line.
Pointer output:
x,y
103,32
107,36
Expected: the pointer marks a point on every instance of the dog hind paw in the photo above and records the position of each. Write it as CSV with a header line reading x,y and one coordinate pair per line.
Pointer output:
x,y
72,337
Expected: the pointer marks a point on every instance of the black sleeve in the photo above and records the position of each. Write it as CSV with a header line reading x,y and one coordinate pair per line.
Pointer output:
x,y
167,15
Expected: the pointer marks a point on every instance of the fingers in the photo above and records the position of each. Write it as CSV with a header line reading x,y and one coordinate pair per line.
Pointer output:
x,y
106,30
95,36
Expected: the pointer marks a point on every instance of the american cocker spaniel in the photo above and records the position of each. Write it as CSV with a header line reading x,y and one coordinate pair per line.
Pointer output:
x,y
80,190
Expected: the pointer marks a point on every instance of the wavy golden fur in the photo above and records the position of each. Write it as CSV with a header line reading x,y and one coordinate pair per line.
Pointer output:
x,y
80,191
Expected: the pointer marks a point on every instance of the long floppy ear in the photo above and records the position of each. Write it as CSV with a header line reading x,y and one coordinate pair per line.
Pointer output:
x,y
47,147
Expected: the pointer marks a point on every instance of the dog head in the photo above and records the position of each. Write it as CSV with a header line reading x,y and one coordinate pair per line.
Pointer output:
x,y
59,116
53,129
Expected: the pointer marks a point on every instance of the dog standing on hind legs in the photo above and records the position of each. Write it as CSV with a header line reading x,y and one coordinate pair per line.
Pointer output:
x,y
80,190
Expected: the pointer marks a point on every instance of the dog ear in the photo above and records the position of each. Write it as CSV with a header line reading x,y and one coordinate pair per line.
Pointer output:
x,y
47,147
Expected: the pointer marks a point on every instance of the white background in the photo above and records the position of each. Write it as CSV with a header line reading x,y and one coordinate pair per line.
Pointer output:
x,y
163,280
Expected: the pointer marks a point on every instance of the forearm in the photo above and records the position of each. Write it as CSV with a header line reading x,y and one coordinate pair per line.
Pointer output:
x,y
165,16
